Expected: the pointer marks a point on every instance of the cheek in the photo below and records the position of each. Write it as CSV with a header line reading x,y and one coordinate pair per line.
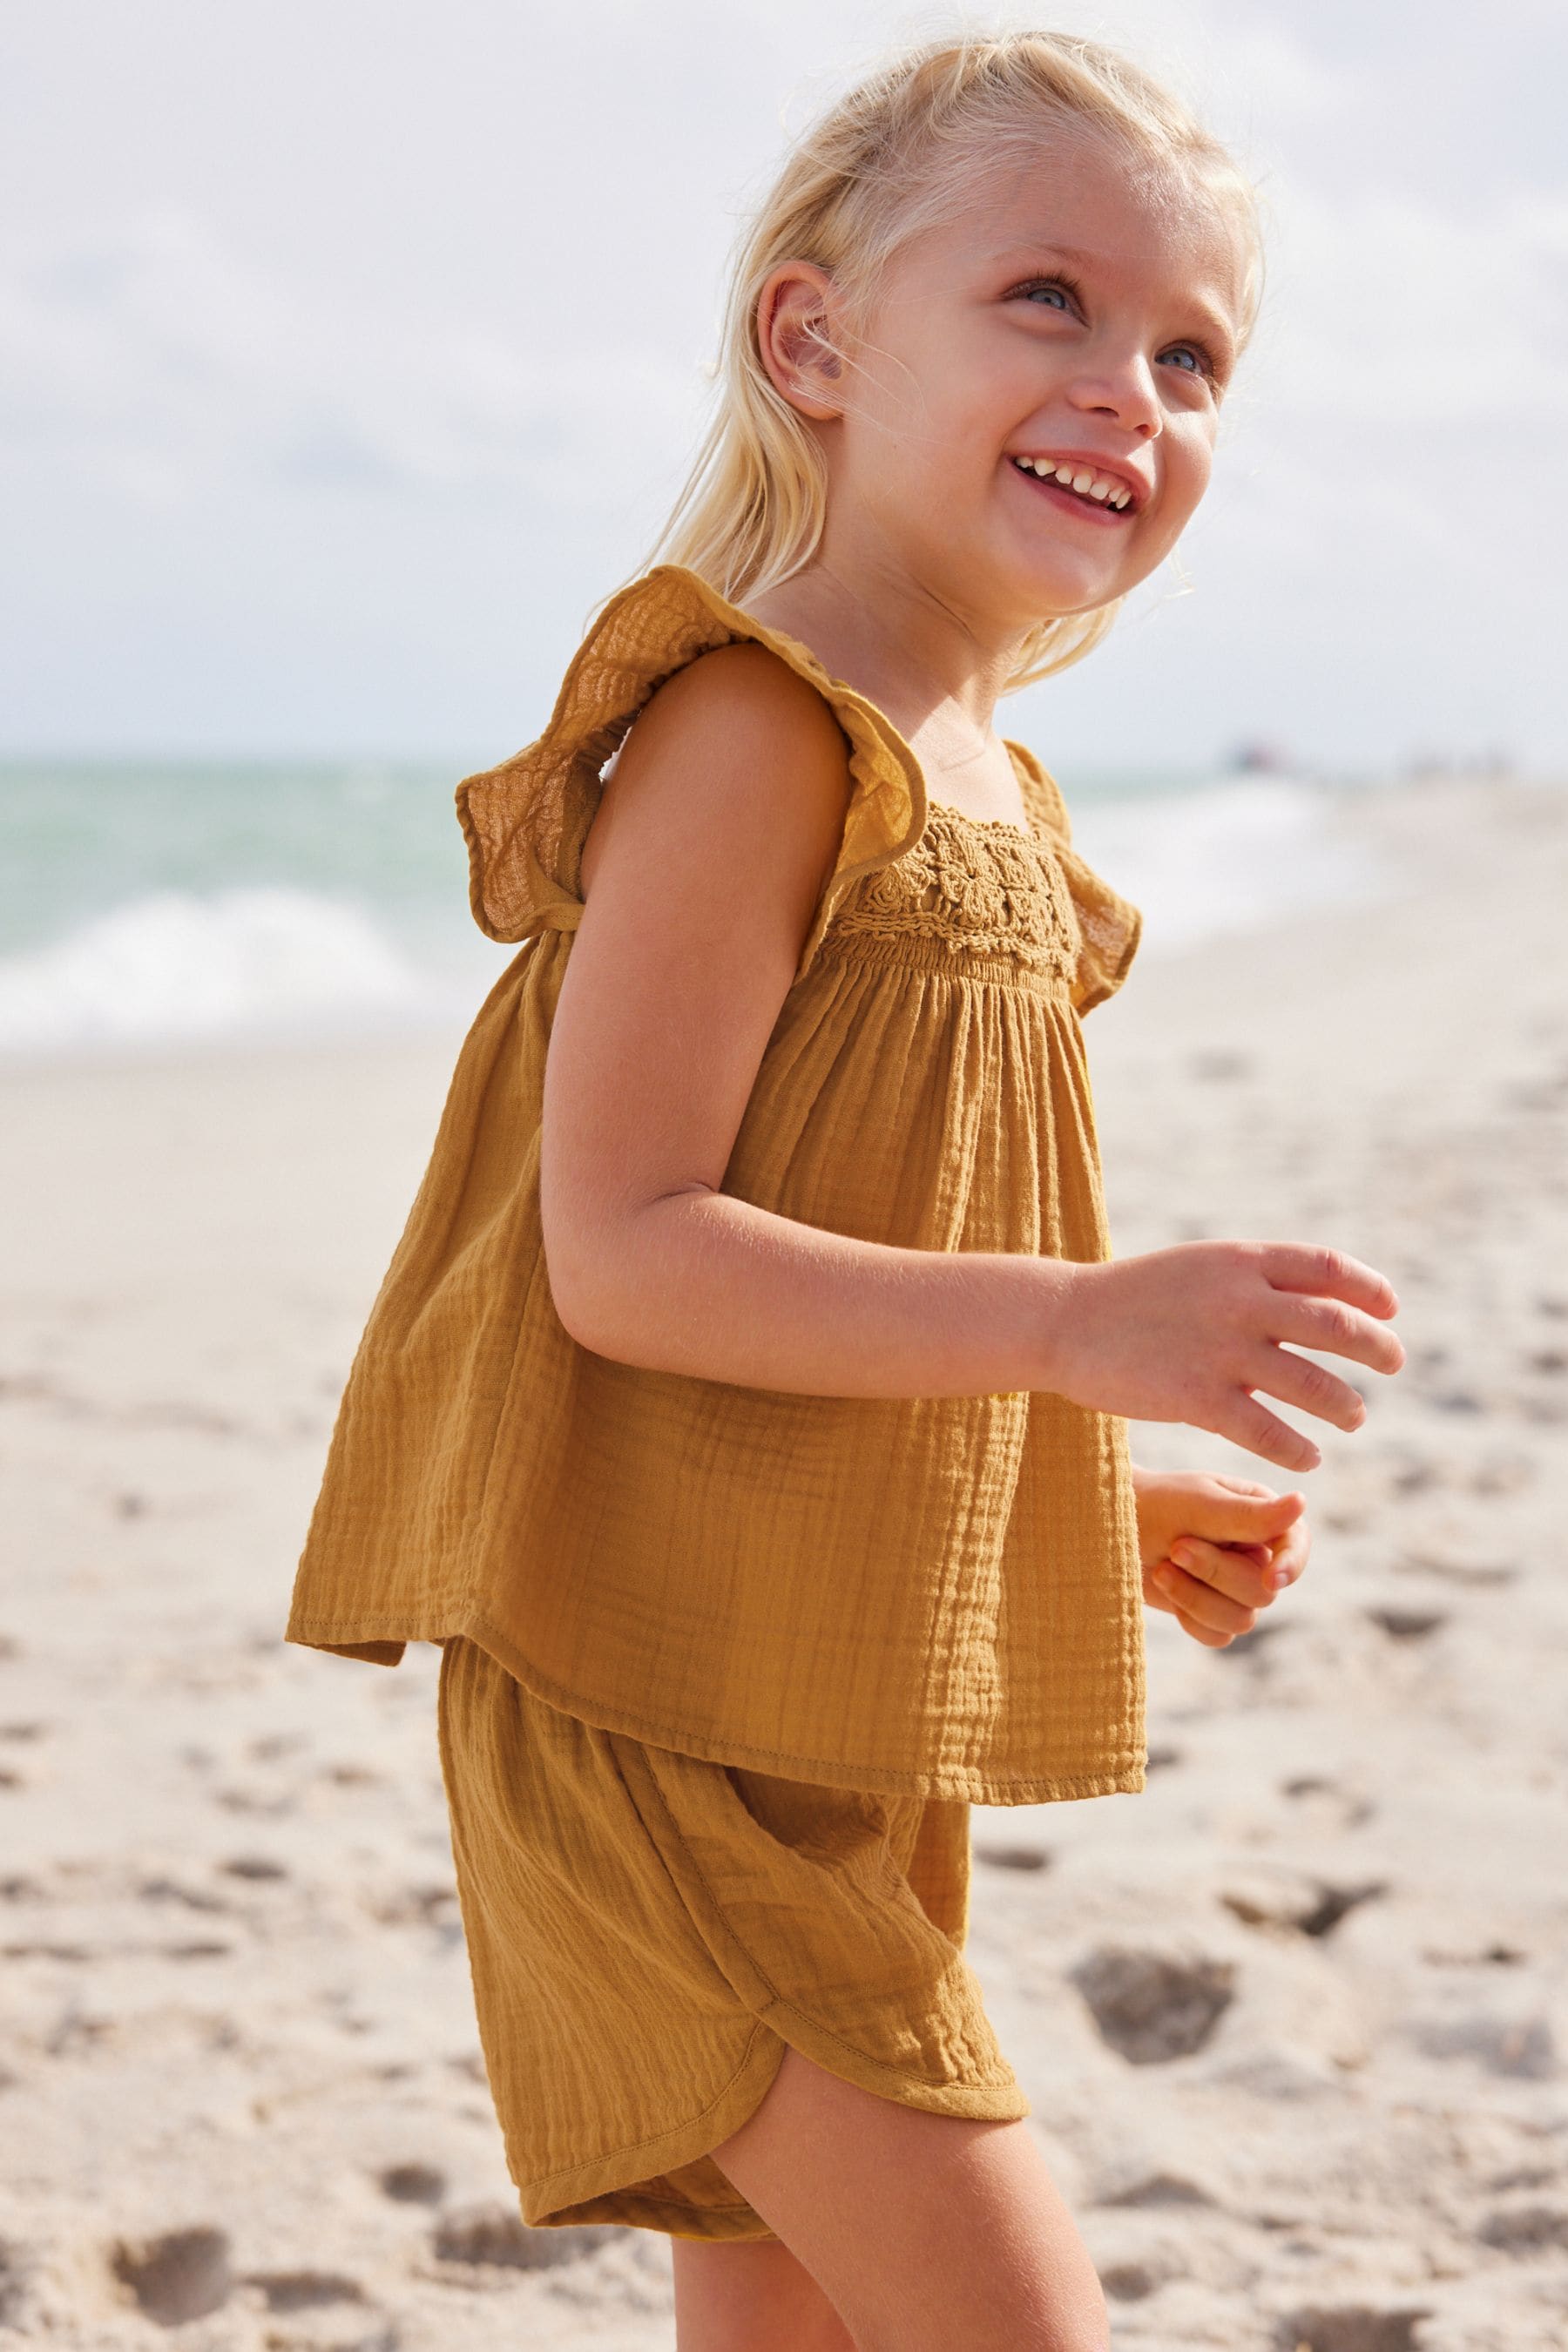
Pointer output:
x,y
936,415
1189,465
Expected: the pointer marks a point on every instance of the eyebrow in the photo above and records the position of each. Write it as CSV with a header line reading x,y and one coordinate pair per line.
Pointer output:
x,y
1213,319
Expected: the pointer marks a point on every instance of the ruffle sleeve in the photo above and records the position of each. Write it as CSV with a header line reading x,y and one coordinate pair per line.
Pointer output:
x,y
1111,926
526,820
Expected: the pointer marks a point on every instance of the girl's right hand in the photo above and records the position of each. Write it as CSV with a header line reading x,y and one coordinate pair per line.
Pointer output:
x,y
1188,1334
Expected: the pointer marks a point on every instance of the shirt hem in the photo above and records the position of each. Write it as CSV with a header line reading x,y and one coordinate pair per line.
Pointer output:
x,y
364,1638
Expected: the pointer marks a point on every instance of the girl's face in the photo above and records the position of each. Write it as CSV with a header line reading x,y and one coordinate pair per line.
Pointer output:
x,y
1070,315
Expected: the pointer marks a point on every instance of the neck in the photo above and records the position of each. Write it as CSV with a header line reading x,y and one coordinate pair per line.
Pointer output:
x,y
898,643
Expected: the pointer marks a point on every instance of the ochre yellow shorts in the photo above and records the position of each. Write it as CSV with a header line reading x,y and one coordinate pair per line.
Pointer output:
x,y
648,1930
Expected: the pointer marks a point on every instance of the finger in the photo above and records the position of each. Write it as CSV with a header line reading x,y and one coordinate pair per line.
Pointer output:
x,y
1245,1580
1338,1331
1257,1517
1329,1274
1250,1425
1193,1598
1290,1557
1297,1379
1204,1634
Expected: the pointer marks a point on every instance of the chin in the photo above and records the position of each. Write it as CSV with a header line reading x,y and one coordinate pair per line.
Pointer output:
x,y
1047,594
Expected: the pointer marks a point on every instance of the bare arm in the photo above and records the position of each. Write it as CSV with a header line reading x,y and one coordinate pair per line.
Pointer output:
x,y
716,832
718,828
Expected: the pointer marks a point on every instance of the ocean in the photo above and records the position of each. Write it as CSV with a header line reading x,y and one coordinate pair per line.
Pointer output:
x,y
149,905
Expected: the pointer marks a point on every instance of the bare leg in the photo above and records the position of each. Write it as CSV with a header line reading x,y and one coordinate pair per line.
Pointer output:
x,y
750,2297
929,2233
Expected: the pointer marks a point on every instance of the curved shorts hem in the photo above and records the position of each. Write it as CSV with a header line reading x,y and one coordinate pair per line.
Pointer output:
x,y
988,2103
605,2187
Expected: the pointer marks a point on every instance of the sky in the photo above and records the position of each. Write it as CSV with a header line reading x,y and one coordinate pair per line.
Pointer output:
x,y
351,350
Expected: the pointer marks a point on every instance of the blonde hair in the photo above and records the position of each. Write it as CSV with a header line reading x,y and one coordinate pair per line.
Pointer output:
x,y
894,158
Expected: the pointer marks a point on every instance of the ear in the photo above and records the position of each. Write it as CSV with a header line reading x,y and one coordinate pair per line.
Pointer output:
x,y
794,335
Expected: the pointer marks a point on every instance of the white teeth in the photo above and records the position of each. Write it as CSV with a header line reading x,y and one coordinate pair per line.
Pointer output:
x,y
1101,487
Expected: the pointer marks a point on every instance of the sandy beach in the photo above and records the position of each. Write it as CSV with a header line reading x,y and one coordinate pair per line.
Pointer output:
x,y
1294,2021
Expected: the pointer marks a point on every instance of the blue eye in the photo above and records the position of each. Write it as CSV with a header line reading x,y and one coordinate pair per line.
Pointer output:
x,y
1059,285
1069,287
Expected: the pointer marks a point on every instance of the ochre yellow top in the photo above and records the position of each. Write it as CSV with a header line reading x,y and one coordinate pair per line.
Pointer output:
x,y
936,1595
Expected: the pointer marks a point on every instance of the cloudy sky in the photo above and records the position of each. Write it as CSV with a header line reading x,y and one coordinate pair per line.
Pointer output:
x,y
351,349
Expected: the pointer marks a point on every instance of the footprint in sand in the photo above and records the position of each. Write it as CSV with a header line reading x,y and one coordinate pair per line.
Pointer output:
x,y
1159,2188
1409,1624
304,2290
1324,1800
1257,1647
432,1905
1013,1857
249,1801
183,2274
1527,2230
1314,1909
1351,2328
1151,2006
1456,1572
169,1890
412,2184
1131,2281
273,1744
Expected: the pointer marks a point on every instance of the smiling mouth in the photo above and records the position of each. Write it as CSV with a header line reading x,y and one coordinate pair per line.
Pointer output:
x,y
1060,491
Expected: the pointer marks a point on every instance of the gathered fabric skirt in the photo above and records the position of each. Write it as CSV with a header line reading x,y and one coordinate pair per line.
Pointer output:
x,y
648,1931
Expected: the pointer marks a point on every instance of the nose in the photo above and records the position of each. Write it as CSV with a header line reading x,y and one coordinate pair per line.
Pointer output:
x,y
1125,391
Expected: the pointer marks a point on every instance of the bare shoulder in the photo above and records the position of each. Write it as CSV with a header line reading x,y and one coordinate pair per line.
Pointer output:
x,y
734,745
715,834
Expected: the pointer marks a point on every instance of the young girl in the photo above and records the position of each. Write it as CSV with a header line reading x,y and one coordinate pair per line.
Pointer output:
x,y
744,1409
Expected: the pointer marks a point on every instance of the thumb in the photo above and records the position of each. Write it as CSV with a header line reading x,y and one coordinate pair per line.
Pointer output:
x,y
1248,1519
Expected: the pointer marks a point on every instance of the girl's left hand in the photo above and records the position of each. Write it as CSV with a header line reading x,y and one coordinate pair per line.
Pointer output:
x,y
1216,1550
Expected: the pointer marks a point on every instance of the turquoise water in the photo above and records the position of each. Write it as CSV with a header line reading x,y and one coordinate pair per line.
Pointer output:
x,y
146,901
79,838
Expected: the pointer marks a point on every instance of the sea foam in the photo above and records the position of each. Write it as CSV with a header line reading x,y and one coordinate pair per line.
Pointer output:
x,y
1225,857
301,958
177,966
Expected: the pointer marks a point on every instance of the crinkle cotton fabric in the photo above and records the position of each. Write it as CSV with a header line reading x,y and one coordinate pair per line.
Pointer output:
x,y
933,1596
647,1932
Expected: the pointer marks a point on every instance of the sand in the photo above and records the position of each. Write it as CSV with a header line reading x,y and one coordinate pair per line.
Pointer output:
x,y
1294,2021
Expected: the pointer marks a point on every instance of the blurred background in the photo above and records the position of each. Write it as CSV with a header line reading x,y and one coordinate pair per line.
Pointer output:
x,y
349,354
